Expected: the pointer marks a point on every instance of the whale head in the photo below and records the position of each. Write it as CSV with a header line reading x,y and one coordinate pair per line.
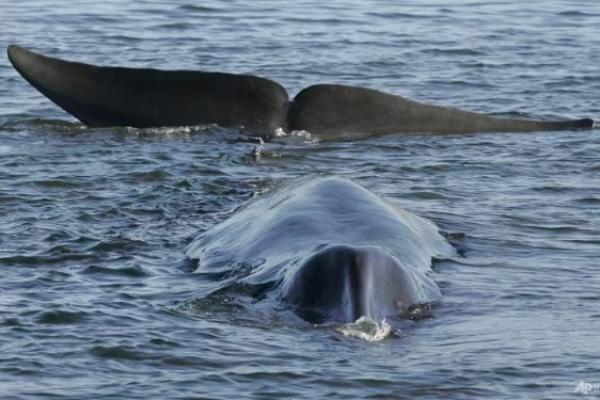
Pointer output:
x,y
342,283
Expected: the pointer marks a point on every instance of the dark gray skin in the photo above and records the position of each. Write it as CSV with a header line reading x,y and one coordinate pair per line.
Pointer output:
x,y
115,96
141,98
353,110
344,283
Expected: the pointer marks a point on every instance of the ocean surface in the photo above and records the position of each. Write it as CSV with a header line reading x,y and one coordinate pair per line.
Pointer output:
x,y
97,298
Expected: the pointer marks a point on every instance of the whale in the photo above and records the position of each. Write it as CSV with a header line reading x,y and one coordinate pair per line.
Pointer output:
x,y
104,96
328,249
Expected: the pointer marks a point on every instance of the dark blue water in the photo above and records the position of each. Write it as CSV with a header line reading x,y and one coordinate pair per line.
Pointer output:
x,y
96,297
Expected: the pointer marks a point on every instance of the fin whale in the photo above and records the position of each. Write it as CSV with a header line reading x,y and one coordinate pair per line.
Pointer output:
x,y
140,97
329,249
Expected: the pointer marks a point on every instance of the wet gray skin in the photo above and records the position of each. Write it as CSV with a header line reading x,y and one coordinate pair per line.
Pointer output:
x,y
116,96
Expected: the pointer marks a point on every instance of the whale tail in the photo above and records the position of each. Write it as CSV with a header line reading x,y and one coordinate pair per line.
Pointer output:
x,y
343,283
368,110
116,96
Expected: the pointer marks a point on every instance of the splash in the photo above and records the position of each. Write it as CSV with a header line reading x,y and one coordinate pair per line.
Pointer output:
x,y
367,329
279,132
256,152
302,134
168,131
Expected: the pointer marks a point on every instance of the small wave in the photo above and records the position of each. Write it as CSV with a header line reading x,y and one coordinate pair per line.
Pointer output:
x,y
198,8
367,329
118,243
426,195
61,317
217,305
399,15
176,26
133,272
117,353
45,124
455,52
595,167
148,176
588,200
35,260
551,189
328,21
124,38
462,83
57,183
11,322
574,13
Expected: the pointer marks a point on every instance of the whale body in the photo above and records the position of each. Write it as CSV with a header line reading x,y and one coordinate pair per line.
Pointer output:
x,y
330,250
141,97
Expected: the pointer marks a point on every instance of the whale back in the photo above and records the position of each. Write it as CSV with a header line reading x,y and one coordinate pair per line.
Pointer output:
x,y
334,250
115,96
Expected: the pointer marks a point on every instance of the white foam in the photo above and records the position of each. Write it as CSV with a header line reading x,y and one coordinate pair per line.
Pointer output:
x,y
169,131
279,132
302,134
367,329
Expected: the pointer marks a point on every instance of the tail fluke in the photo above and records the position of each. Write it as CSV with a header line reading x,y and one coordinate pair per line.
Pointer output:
x,y
115,96
344,110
